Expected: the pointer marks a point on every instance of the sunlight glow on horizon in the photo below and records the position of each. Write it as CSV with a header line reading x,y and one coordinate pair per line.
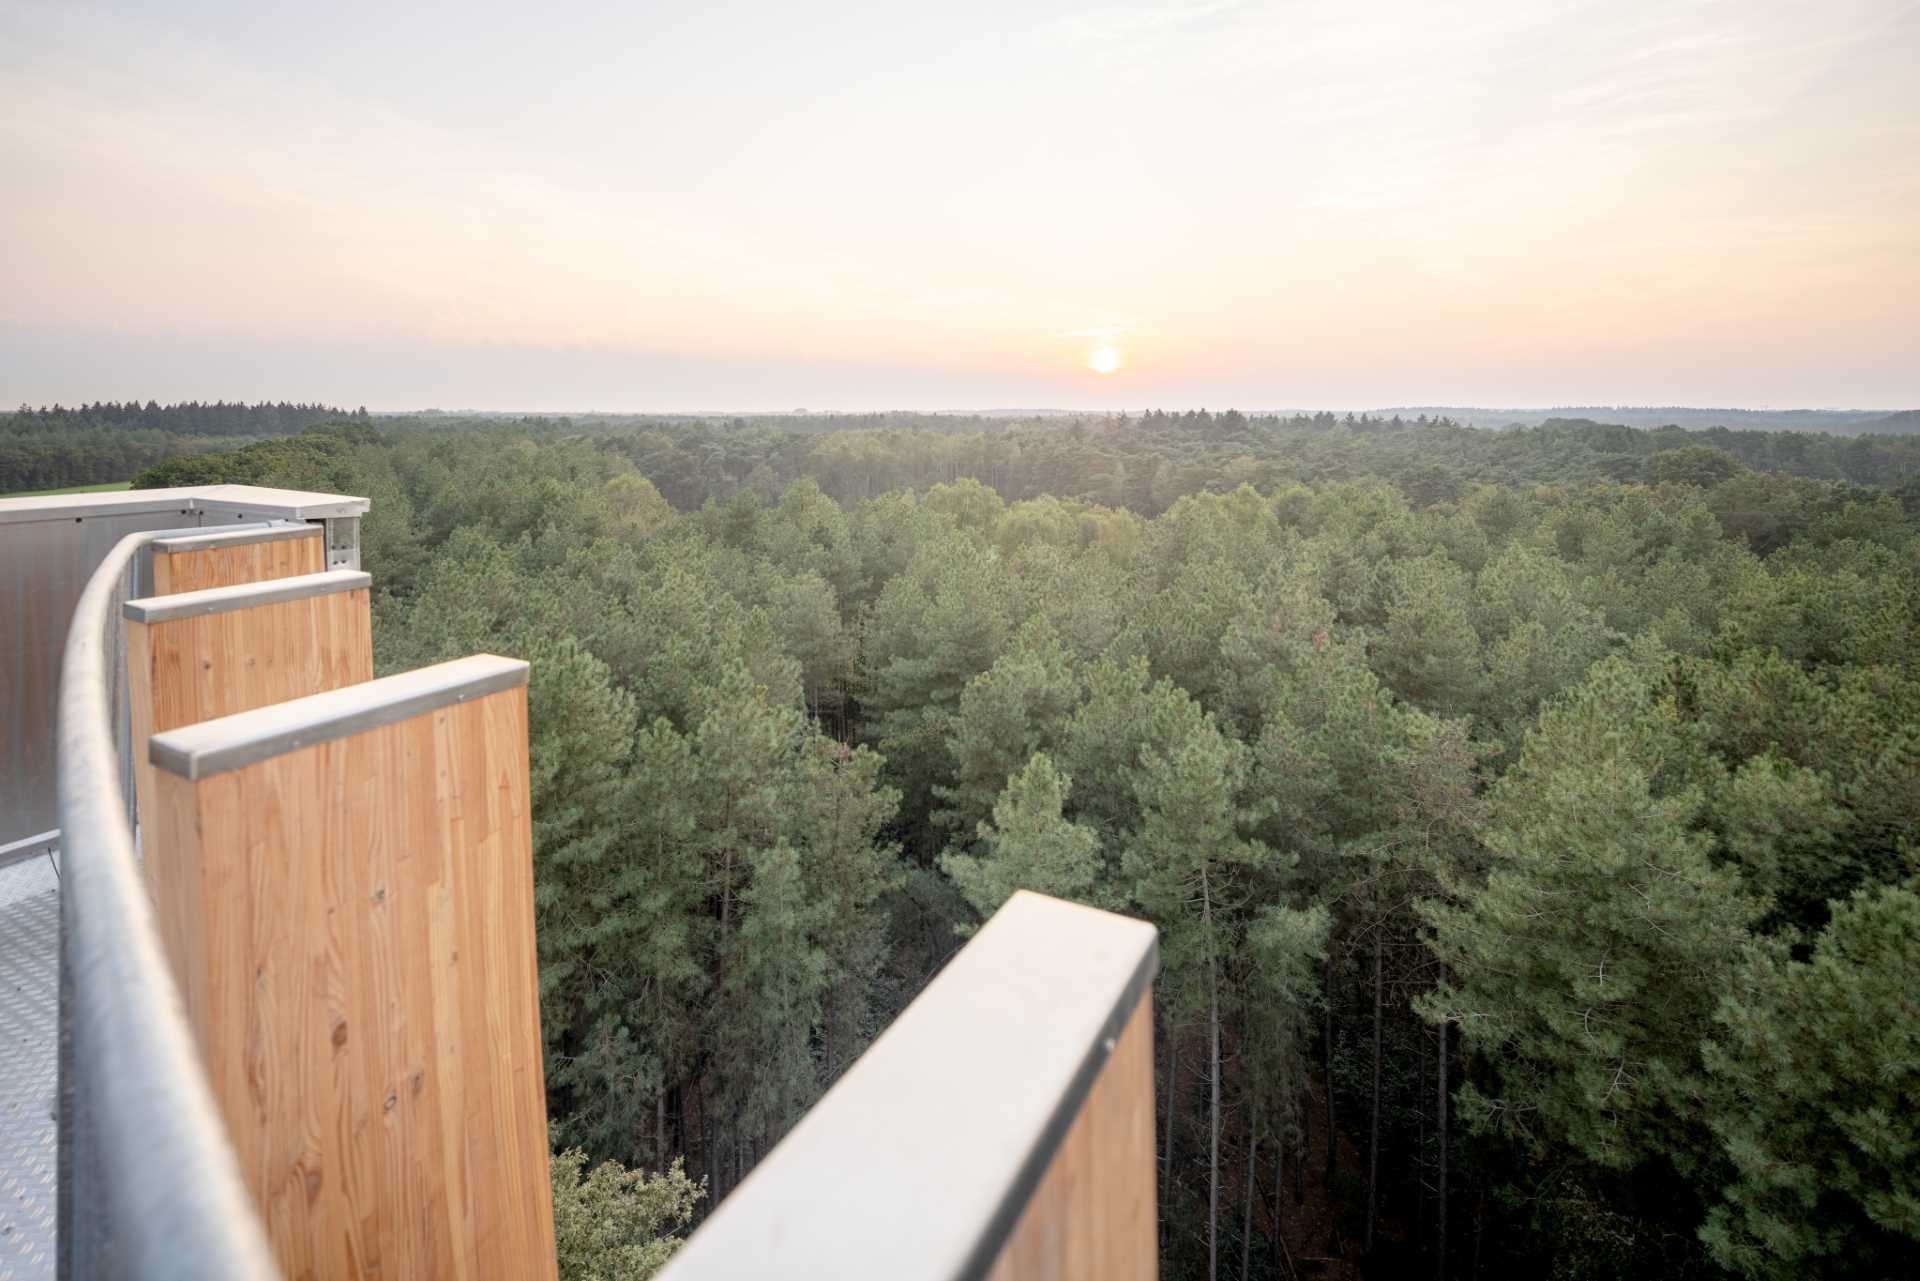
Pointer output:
x,y
1520,202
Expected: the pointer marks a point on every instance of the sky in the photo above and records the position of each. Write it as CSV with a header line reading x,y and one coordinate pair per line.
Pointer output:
x,y
620,205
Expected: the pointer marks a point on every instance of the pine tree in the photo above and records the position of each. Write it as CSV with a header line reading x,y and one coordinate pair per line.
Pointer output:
x,y
1816,1074
1430,655
834,813
771,1006
1030,845
1015,708
1285,950
1585,969
1191,863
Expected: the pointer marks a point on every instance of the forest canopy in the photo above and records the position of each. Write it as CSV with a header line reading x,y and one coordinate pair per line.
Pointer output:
x,y
1530,816
1142,462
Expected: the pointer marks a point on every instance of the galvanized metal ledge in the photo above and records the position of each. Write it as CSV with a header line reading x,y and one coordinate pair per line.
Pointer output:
x,y
929,1148
234,742
220,600
295,504
235,536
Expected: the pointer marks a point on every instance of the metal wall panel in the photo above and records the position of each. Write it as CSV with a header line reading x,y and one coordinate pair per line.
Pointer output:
x,y
48,548
43,566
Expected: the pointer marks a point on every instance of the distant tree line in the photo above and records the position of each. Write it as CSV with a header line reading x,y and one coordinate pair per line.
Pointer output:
x,y
188,418
1840,422
88,456
57,447
1142,463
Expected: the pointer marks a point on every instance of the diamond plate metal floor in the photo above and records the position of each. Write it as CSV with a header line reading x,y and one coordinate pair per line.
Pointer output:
x,y
29,1044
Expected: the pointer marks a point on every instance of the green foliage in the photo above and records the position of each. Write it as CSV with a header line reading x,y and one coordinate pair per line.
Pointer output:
x,y
1576,1234
1540,638
1695,465
1286,949
1007,713
1030,845
1588,964
935,627
1430,655
614,1224
835,813
1126,717
1191,863
1816,1068
776,979
969,504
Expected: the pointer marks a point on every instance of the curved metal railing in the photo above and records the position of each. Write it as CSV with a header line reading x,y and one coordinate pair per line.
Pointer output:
x,y
1033,1049
149,1182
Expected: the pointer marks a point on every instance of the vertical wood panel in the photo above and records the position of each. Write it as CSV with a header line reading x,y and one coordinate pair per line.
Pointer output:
x,y
186,670
190,571
365,994
1092,1217
214,665
184,695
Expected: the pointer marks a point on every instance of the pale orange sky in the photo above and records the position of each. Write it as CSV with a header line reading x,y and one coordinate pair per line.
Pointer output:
x,y
760,206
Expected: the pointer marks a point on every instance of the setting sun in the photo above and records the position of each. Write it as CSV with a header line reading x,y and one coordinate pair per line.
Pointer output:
x,y
1104,360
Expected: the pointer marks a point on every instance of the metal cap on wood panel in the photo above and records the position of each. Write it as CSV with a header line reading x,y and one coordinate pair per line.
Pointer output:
x,y
929,1147
238,501
233,742
219,600
296,504
237,535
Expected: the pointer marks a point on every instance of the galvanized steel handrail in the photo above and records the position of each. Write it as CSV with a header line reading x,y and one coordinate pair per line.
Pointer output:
x,y
150,1183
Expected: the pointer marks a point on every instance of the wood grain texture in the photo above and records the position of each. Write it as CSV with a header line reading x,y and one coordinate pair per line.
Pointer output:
x,y
1092,1218
189,571
363,985
185,695
186,670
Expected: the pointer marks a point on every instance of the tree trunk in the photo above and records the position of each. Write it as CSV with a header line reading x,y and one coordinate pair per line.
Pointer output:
x,y
739,1150
1479,1227
828,1030
660,1158
1420,1150
1246,1205
1327,1037
1213,1087
1373,1140
1279,1179
709,1150
1300,1164
1166,1166
1440,1207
